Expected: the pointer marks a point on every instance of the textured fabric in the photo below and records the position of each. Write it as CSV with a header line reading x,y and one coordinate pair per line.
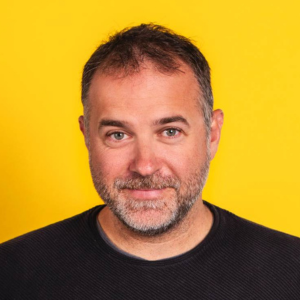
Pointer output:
x,y
106,239
69,260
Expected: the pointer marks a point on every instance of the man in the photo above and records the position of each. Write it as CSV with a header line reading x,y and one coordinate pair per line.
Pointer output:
x,y
150,132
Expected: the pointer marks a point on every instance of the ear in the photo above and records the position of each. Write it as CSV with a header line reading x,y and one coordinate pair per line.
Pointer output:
x,y
215,131
82,128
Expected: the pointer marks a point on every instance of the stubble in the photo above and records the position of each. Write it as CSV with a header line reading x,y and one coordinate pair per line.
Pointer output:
x,y
154,216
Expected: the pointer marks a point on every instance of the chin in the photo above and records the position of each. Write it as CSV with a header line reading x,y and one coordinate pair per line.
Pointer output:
x,y
150,226
150,218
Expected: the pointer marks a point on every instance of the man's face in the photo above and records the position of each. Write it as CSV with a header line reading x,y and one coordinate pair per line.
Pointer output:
x,y
148,148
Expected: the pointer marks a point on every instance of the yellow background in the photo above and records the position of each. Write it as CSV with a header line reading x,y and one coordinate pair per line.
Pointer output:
x,y
253,48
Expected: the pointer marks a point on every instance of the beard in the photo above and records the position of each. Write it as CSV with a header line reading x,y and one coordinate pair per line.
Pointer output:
x,y
154,216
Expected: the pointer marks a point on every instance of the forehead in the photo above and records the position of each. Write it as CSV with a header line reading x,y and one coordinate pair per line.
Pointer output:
x,y
147,92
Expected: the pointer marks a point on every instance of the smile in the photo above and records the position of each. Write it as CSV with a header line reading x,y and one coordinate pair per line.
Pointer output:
x,y
145,194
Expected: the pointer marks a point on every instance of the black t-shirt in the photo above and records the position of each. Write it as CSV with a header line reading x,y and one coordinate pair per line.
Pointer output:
x,y
238,259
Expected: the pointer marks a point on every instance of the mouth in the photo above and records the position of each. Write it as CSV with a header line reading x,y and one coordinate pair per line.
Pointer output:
x,y
145,194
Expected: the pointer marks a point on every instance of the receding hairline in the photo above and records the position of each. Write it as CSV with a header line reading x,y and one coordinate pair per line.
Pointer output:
x,y
119,73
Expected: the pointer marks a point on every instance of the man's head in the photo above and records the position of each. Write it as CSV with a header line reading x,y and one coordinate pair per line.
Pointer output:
x,y
149,140
126,52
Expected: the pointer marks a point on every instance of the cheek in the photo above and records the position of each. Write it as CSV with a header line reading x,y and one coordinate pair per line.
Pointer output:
x,y
185,160
108,163
176,164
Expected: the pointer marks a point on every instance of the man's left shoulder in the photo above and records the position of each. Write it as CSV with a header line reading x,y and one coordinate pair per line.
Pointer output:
x,y
263,240
257,241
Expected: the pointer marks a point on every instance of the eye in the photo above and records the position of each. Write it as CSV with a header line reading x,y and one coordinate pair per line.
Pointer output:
x,y
118,136
171,132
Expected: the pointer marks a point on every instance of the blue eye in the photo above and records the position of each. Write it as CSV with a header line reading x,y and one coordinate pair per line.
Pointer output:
x,y
118,135
171,132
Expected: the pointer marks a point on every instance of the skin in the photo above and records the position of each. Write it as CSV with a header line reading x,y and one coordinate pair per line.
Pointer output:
x,y
149,124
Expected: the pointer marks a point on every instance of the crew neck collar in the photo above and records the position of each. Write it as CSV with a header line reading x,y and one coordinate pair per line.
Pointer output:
x,y
104,246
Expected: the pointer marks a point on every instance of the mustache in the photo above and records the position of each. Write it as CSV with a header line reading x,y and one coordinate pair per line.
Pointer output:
x,y
154,181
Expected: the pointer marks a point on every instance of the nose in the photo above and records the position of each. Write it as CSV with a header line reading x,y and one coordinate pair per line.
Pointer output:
x,y
145,161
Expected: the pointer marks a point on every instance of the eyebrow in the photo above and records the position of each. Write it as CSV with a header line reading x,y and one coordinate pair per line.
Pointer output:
x,y
115,123
172,119
162,121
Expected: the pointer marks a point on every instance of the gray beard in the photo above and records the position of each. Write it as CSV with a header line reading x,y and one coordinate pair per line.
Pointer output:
x,y
186,194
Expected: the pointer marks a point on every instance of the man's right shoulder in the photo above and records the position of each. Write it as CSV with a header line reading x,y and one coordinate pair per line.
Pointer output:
x,y
31,243
31,263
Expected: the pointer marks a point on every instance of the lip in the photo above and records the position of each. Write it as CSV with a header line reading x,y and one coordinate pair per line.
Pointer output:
x,y
145,194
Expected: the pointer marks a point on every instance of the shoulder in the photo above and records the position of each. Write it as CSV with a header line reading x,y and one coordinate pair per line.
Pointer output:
x,y
44,240
253,261
257,242
30,263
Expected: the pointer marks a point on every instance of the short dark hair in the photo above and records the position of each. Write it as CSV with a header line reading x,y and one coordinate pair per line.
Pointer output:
x,y
129,48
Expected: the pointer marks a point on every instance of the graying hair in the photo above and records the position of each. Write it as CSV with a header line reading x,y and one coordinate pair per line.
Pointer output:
x,y
128,49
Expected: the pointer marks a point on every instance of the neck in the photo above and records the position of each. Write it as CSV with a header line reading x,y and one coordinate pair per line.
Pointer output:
x,y
185,236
